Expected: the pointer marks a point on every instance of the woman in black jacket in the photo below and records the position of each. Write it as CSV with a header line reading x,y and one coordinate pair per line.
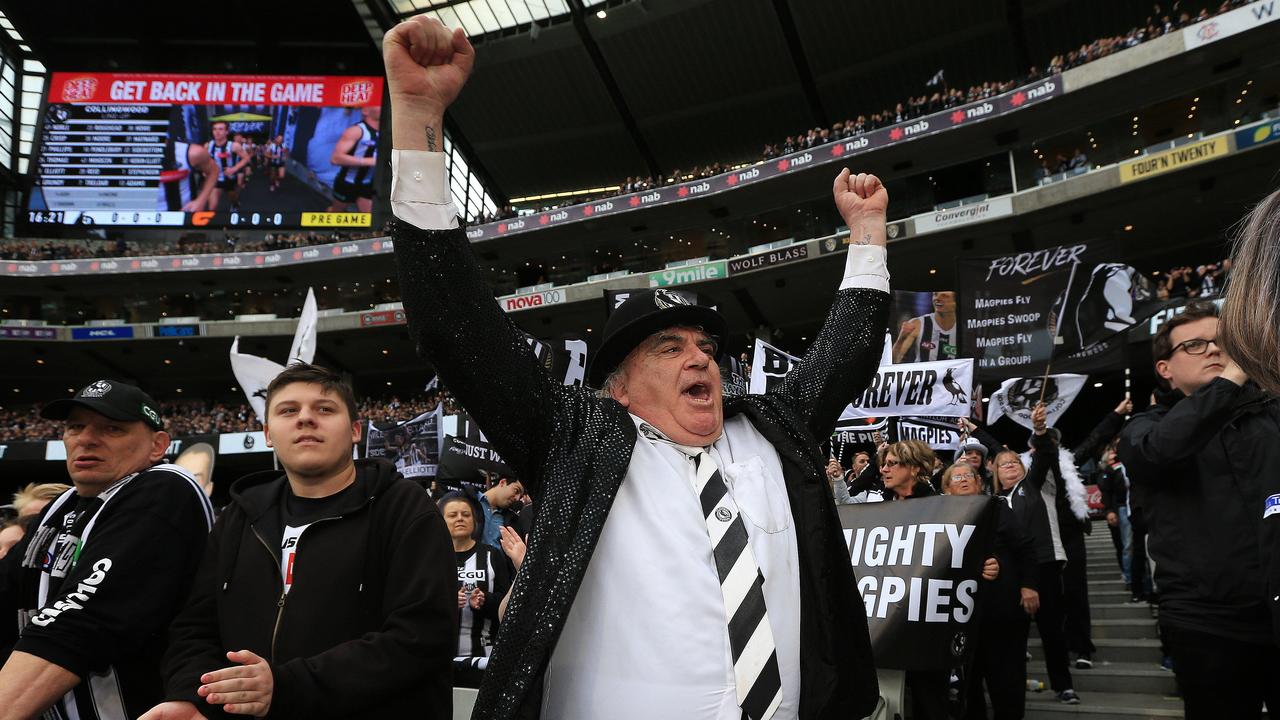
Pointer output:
x,y
1020,488
484,576
1006,602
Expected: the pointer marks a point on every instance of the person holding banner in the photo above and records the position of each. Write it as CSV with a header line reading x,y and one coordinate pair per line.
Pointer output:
x,y
712,593
1020,488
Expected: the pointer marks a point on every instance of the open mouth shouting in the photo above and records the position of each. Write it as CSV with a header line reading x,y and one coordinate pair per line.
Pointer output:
x,y
698,393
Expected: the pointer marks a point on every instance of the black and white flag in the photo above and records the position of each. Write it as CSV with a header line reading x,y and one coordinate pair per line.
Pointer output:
x,y
1017,397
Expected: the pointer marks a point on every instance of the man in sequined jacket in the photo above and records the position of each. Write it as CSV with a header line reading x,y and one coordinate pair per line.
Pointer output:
x,y
686,559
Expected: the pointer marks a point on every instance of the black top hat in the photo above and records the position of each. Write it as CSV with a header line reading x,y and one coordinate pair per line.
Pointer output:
x,y
116,400
643,314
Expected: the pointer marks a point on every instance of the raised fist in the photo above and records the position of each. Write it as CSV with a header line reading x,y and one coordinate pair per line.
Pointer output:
x,y
863,203
427,64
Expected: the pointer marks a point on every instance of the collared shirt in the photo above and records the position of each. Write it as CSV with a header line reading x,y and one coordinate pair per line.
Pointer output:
x,y
648,635
493,523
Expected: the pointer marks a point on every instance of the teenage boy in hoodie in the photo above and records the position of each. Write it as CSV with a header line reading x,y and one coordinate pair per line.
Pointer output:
x,y
328,591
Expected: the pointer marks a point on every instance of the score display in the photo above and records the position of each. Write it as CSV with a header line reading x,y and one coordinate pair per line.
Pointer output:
x,y
207,150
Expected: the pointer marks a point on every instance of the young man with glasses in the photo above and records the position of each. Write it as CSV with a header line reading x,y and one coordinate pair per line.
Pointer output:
x,y
1197,460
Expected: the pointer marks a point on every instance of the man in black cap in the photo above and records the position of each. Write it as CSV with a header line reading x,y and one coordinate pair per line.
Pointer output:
x,y
686,559
94,585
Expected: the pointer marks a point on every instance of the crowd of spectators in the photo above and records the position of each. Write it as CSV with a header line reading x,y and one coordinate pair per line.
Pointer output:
x,y
1202,281
1160,22
183,418
19,249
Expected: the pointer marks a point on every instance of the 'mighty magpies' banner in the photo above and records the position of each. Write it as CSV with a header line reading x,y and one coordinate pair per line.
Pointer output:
x,y
1062,306
919,566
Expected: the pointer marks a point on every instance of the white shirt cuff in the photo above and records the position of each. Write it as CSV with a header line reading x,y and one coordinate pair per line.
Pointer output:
x,y
420,190
865,267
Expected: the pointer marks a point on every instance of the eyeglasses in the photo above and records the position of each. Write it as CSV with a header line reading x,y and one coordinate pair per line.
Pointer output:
x,y
1009,463
962,476
891,463
1194,346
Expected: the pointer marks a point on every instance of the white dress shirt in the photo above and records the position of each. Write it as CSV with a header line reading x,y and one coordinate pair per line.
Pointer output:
x,y
647,636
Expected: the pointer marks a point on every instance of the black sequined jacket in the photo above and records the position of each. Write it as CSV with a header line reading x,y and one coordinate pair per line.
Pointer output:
x,y
572,449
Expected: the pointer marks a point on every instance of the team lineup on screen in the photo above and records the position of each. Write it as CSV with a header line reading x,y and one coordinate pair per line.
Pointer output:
x,y
207,150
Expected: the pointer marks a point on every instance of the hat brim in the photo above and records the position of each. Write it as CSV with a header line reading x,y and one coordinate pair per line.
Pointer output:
x,y
61,410
628,337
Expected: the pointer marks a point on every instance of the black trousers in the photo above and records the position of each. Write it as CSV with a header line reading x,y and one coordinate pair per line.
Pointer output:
x,y
1051,622
999,662
929,690
1221,677
1075,591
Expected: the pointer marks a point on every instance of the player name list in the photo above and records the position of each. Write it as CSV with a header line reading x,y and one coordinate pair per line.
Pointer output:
x,y
103,157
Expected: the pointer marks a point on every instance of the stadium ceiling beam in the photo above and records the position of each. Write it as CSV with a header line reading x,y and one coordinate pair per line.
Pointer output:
x,y
801,63
579,12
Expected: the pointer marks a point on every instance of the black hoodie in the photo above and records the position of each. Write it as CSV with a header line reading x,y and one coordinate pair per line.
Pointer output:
x,y
367,629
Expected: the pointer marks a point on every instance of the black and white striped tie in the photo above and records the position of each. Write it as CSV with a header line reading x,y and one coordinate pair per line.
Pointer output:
x,y
755,658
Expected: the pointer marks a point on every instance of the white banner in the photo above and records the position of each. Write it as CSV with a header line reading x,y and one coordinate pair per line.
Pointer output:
x,y
940,434
240,443
1230,23
1018,396
254,375
912,389
304,337
964,215
939,388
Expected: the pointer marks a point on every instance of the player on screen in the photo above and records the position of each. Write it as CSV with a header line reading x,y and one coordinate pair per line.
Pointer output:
x,y
929,337
276,155
187,179
246,143
230,158
356,152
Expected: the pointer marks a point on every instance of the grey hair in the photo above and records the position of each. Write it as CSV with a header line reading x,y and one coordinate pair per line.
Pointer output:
x,y
614,381
1250,325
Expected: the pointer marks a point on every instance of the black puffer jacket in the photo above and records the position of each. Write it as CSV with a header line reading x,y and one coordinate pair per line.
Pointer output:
x,y
369,627
1199,466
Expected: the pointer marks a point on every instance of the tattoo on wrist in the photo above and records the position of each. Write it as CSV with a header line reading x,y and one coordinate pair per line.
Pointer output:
x,y
431,138
864,240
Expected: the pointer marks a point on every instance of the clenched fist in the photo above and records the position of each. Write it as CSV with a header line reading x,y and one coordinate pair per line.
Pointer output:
x,y
427,65
863,203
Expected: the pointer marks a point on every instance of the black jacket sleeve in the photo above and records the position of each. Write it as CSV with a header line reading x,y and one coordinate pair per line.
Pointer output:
x,y
841,360
417,635
985,437
1018,547
1044,459
1180,433
139,561
1110,484
868,479
1101,435
195,643
478,351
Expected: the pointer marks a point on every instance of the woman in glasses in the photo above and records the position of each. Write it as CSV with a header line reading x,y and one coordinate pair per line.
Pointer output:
x,y
1020,488
1007,603
905,469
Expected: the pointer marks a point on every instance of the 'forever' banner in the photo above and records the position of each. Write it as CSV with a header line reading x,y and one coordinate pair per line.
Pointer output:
x,y
919,565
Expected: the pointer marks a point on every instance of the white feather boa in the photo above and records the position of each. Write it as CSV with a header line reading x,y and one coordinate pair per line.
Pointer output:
x,y
1071,476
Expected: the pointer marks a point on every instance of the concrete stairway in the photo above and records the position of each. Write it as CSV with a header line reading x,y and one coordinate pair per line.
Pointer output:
x,y
1126,681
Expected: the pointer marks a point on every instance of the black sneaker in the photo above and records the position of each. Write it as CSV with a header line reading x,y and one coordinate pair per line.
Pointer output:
x,y
1084,662
1068,697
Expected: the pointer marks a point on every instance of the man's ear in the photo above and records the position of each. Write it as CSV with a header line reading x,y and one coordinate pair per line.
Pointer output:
x,y
159,444
1162,369
357,429
266,433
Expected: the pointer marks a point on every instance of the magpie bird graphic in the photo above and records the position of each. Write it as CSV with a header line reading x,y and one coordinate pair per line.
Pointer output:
x,y
958,396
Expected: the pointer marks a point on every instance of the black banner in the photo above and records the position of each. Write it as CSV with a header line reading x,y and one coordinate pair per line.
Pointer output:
x,y
1067,305
919,566
468,459
413,446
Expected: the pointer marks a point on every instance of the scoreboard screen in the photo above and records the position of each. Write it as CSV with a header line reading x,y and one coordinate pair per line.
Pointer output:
x,y
207,151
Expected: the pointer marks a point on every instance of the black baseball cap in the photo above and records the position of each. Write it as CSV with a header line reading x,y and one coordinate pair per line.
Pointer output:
x,y
643,314
109,398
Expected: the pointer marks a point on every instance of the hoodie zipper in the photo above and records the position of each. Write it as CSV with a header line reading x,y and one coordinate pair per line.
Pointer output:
x,y
275,630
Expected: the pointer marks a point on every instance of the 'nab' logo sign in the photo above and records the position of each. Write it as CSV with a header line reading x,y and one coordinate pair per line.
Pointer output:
x,y
356,93
79,89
